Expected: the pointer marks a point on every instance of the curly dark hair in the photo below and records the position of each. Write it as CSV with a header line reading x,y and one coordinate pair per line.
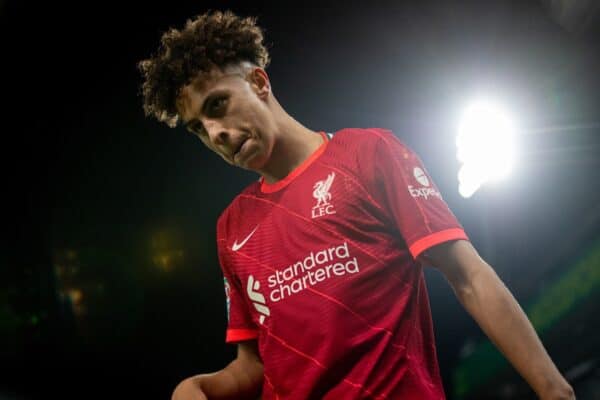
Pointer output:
x,y
214,39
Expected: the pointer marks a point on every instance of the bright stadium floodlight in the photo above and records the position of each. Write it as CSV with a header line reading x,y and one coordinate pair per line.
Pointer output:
x,y
485,146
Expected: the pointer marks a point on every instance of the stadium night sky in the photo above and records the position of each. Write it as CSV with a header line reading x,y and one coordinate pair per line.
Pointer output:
x,y
110,276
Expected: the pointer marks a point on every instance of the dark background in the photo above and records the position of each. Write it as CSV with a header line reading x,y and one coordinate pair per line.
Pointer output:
x,y
109,283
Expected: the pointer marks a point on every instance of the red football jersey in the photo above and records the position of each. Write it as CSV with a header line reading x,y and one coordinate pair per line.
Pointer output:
x,y
321,268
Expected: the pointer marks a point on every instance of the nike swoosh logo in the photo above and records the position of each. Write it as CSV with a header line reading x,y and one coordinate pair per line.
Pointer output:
x,y
237,246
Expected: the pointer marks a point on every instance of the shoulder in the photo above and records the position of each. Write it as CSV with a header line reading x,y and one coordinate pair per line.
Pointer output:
x,y
365,138
361,134
366,146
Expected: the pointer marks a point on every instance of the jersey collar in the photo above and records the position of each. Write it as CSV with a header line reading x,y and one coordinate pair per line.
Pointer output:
x,y
274,187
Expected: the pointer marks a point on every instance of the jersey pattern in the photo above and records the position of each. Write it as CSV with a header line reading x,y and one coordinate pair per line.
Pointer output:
x,y
321,268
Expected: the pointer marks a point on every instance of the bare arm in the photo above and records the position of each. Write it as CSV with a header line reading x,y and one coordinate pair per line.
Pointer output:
x,y
494,308
241,379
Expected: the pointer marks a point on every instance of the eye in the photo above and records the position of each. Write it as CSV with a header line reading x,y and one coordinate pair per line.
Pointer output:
x,y
217,106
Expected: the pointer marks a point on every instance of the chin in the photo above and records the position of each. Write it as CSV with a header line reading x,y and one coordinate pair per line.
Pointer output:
x,y
255,163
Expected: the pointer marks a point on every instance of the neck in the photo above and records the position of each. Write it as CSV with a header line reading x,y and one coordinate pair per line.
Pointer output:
x,y
294,143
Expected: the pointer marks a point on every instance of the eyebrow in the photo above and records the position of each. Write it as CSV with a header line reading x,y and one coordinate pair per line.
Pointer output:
x,y
207,98
194,120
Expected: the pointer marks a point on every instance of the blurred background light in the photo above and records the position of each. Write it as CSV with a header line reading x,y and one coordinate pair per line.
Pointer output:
x,y
166,249
485,145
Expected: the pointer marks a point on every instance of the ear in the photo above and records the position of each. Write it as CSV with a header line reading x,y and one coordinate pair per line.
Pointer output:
x,y
259,80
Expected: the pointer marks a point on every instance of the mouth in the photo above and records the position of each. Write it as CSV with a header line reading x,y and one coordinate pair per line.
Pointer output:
x,y
239,147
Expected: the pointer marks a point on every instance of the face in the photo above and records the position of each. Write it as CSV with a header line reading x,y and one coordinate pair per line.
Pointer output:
x,y
229,112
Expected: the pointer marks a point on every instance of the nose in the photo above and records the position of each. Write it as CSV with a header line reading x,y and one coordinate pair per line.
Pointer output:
x,y
217,134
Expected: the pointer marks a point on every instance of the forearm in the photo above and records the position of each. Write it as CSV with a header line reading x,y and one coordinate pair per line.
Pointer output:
x,y
499,315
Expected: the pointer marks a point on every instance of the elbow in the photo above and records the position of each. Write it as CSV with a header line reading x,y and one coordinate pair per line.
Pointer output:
x,y
569,393
560,392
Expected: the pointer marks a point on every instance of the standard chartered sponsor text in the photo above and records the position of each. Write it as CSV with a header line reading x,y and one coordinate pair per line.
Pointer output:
x,y
314,268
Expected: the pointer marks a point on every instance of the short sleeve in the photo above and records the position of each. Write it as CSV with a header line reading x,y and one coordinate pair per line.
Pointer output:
x,y
239,323
404,188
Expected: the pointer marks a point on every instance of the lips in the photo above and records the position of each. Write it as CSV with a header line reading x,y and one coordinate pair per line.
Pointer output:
x,y
239,147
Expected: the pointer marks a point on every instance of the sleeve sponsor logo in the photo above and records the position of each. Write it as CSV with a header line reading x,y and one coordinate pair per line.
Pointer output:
x,y
420,176
424,190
